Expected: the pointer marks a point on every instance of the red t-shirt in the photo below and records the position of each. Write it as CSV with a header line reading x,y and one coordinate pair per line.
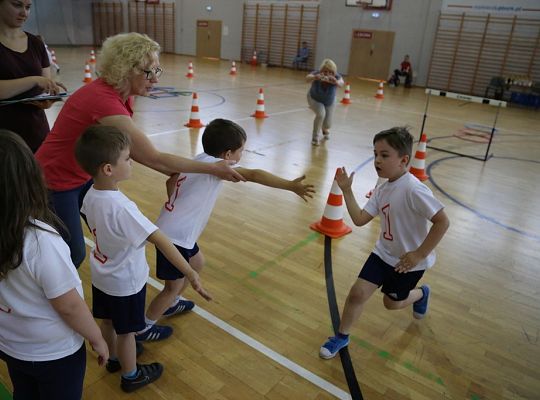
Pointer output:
x,y
83,108
405,66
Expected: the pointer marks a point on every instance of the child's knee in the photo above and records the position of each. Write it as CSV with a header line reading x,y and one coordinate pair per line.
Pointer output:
x,y
391,304
172,287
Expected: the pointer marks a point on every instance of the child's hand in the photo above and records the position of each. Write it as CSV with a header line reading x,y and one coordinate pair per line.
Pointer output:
x,y
408,261
302,190
171,184
343,180
195,282
102,351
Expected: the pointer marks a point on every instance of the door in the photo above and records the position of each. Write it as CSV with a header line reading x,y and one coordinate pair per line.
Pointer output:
x,y
209,39
371,54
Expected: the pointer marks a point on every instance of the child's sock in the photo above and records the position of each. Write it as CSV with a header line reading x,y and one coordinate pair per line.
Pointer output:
x,y
130,375
149,322
342,335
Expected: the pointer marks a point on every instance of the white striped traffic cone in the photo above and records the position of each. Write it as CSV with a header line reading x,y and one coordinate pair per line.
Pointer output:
x,y
259,111
92,57
87,74
347,96
194,121
331,224
233,68
418,164
380,93
190,73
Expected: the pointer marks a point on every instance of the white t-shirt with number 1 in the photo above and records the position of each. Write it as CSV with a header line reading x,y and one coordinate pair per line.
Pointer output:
x,y
405,207
118,261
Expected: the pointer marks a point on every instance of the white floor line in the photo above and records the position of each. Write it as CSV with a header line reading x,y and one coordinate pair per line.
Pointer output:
x,y
256,345
236,120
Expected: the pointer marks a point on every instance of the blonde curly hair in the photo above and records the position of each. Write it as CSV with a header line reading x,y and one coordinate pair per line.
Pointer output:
x,y
124,54
328,64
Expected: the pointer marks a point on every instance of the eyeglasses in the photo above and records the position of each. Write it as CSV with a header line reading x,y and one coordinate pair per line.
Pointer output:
x,y
153,73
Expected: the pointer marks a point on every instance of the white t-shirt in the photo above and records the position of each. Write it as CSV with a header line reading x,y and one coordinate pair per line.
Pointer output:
x,y
405,208
30,328
117,262
186,213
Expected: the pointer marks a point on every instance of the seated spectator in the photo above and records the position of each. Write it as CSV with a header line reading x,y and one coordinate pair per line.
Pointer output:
x,y
405,70
302,55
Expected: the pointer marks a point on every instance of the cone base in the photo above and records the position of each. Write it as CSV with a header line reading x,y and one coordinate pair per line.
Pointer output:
x,y
232,73
195,124
420,174
189,75
87,80
333,233
379,96
259,115
346,101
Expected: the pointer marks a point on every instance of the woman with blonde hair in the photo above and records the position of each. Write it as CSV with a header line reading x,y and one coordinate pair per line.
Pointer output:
x,y
129,66
321,98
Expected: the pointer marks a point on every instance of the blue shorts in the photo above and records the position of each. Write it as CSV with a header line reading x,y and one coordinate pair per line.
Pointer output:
x,y
165,270
394,284
125,312
60,379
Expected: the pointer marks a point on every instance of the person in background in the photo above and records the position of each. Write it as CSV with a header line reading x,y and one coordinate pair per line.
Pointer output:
x,y
405,70
321,98
302,55
43,317
24,72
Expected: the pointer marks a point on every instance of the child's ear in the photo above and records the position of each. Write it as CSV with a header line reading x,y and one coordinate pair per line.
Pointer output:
x,y
226,155
106,169
405,159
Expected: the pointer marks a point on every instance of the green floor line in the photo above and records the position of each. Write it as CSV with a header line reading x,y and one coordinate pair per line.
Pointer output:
x,y
311,237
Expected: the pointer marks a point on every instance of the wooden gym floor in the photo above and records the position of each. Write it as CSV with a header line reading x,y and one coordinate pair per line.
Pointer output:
x,y
265,266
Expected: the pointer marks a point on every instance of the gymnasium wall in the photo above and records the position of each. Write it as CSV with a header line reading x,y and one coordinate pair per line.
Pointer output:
x,y
69,22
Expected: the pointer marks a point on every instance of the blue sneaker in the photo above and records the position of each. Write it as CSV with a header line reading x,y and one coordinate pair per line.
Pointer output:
x,y
332,346
179,308
155,333
420,307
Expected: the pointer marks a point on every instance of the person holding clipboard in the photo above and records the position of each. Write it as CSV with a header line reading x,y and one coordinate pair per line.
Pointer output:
x,y
24,74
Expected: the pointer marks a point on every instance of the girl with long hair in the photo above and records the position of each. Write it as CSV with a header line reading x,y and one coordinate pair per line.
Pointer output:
x,y
43,317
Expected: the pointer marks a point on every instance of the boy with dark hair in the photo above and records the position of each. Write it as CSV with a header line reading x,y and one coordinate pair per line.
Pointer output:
x,y
118,262
191,200
406,243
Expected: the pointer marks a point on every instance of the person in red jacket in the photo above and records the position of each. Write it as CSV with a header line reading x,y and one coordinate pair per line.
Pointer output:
x,y
405,70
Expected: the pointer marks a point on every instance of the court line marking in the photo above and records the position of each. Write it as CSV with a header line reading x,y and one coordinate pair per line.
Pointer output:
x,y
256,345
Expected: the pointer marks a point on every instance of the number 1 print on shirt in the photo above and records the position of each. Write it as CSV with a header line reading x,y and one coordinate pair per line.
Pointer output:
x,y
387,234
169,205
98,255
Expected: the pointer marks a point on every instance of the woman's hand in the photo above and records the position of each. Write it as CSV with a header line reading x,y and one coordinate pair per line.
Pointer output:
x,y
49,86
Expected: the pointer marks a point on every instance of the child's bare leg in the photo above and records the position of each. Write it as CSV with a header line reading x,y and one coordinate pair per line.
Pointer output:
x,y
109,334
360,292
164,299
414,295
125,345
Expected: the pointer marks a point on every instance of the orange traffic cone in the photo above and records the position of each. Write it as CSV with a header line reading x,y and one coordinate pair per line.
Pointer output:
x,y
233,68
259,111
347,97
87,74
254,59
92,57
331,224
380,93
190,73
194,121
419,161
380,181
